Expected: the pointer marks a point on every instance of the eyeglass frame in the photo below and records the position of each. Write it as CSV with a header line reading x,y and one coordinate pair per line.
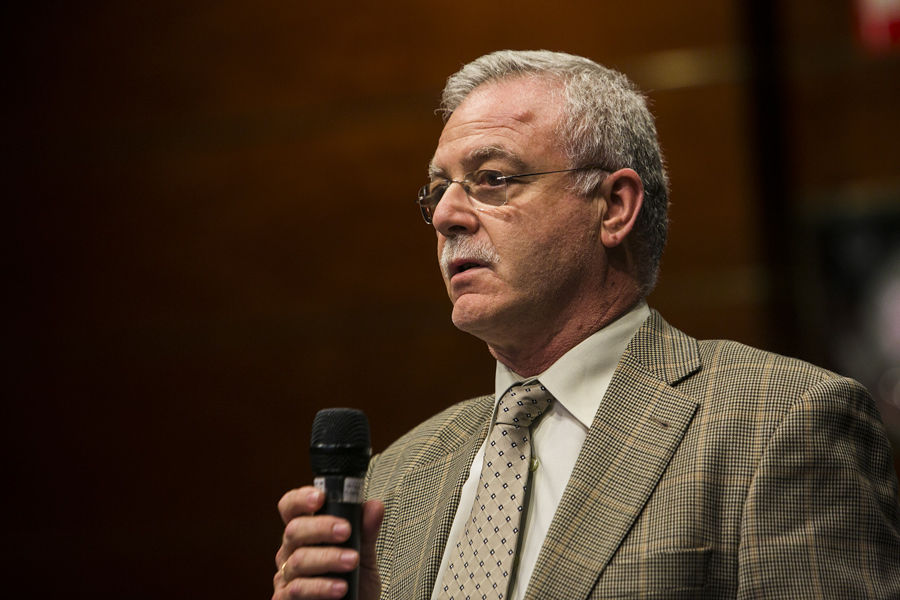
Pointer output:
x,y
465,184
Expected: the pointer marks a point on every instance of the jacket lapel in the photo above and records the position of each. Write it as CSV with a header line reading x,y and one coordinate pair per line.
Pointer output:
x,y
637,428
427,501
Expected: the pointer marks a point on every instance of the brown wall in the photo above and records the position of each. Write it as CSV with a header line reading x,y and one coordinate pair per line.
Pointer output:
x,y
214,236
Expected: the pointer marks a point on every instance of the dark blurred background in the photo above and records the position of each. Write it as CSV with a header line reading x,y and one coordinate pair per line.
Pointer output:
x,y
214,235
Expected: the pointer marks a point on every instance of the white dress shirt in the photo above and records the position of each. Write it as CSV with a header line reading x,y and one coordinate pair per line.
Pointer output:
x,y
578,381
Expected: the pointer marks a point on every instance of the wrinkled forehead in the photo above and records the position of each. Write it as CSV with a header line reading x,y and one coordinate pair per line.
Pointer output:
x,y
513,119
514,89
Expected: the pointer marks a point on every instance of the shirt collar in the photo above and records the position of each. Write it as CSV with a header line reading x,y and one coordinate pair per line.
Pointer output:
x,y
579,378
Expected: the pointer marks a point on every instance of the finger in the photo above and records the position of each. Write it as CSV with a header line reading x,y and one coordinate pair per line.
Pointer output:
x,y
301,501
311,589
314,561
308,530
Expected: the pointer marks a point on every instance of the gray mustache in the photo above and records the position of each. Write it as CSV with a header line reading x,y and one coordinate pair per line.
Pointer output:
x,y
469,248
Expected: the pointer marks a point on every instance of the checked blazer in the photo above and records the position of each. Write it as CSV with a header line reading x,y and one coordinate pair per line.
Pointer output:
x,y
711,470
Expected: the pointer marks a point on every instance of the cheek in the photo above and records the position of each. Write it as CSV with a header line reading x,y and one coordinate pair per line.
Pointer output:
x,y
554,257
526,265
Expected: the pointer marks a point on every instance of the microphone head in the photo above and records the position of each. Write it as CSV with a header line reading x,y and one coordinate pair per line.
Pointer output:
x,y
340,444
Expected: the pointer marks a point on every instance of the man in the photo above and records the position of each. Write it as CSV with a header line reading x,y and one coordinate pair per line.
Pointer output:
x,y
656,465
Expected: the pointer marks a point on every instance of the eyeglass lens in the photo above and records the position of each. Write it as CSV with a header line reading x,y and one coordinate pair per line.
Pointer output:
x,y
485,186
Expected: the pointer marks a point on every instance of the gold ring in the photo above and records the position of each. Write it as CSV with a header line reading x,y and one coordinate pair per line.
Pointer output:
x,y
283,570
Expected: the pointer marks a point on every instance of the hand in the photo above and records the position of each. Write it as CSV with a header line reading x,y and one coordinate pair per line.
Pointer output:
x,y
306,554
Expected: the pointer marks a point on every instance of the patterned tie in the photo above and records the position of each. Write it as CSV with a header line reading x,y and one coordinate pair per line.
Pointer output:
x,y
480,567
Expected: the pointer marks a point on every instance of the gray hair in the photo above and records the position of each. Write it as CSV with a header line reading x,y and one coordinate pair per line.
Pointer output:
x,y
605,122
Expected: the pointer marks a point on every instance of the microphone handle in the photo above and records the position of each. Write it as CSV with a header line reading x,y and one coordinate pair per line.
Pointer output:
x,y
343,498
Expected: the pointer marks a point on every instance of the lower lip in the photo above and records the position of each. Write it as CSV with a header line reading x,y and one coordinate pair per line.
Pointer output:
x,y
466,272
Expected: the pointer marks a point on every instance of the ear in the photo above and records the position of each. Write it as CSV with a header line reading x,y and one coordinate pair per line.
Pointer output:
x,y
623,191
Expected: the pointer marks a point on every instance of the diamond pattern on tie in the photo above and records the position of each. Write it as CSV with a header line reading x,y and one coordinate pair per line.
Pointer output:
x,y
483,557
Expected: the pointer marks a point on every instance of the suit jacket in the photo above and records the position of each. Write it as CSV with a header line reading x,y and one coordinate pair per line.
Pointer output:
x,y
711,470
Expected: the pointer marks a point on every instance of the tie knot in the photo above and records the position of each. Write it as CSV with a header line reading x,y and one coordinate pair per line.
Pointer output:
x,y
522,404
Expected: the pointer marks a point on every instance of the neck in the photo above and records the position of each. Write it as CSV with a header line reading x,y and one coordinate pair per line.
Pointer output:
x,y
531,355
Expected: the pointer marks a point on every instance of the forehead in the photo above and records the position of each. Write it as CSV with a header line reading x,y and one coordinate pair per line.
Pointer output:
x,y
514,120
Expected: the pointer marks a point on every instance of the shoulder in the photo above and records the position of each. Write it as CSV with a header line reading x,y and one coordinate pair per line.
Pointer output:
x,y
444,433
446,430
773,391
742,369
737,381
757,381
726,367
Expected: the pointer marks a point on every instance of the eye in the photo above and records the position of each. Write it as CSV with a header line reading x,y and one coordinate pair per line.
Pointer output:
x,y
436,188
487,178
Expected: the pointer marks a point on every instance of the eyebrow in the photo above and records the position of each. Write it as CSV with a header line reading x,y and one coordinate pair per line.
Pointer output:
x,y
479,156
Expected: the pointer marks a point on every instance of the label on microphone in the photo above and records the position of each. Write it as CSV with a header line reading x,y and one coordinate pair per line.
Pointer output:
x,y
350,492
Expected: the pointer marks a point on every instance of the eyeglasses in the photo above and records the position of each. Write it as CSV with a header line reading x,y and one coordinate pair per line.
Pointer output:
x,y
485,186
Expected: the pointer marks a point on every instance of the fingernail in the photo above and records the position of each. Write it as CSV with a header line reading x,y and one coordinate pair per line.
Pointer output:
x,y
315,495
342,530
339,588
348,557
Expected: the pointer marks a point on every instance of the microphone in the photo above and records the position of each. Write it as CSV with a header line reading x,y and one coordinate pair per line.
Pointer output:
x,y
339,451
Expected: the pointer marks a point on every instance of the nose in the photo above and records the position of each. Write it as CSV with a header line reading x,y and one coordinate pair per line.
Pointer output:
x,y
454,214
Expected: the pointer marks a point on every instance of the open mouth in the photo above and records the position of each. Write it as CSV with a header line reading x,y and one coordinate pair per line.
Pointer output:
x,y
461,266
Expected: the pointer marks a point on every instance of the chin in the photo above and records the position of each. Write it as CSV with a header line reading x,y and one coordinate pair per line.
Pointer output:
x,y
464,321
474,318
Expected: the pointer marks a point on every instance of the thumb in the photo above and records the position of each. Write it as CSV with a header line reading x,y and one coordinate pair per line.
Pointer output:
x,y
373,514
369,580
